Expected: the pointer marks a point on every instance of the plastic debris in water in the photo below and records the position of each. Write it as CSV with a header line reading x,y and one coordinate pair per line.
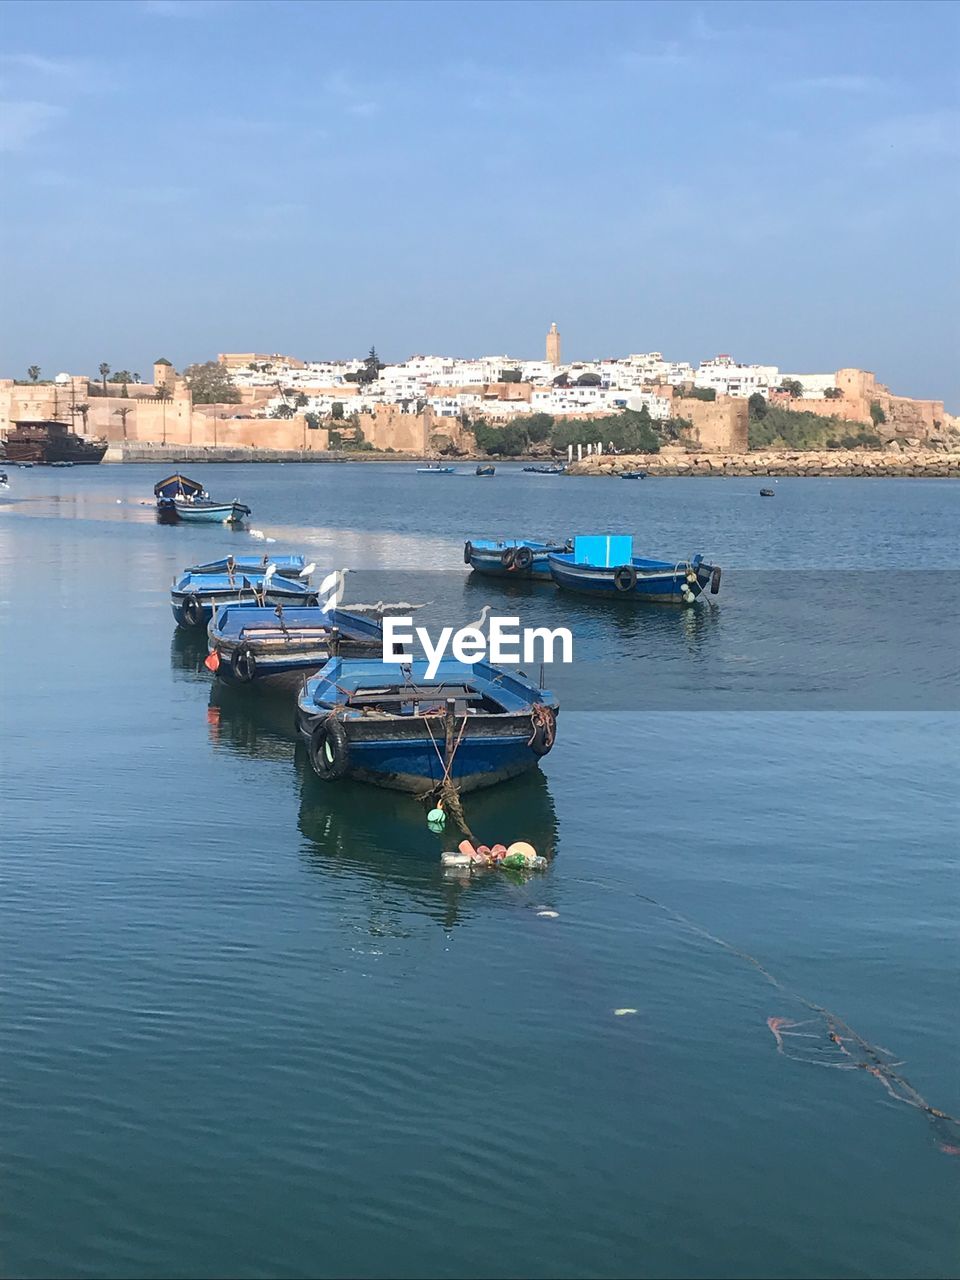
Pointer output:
x,y
622,1013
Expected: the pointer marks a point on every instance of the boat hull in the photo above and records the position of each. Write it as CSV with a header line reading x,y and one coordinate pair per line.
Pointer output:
x,y
495,559
490,564
669,585
407,760
216,513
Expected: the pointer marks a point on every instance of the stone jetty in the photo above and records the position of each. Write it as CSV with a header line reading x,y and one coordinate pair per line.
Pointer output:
x,y
891,461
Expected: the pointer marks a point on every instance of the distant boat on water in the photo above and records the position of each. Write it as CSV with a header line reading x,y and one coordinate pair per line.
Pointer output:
x,y
486,471
51,442
435,470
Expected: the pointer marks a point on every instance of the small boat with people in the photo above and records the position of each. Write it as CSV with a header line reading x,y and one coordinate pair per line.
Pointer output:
x,y
473,725
195,596
435,469
278,646
767,493
511,557
547,468
286,566
604,565
486,471
633,475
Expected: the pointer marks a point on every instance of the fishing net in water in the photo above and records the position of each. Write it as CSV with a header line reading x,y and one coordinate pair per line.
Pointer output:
x,y
823,1039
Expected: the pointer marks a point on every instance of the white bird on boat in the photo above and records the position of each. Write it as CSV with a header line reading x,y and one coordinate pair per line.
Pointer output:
x,y
478,625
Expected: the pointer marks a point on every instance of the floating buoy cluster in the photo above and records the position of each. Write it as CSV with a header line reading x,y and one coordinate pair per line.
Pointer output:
x,y
518,856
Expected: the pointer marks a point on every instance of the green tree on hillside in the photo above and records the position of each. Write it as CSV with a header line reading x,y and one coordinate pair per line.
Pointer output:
x,y
758,406
336,410
793,387
877,414
211,383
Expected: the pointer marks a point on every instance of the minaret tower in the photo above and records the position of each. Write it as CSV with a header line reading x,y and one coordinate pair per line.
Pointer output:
x,y
553,345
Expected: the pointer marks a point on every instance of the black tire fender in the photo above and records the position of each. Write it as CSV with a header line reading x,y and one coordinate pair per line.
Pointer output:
x,y
329,750
311,599
625,578
467,552
192,610
243,664
523,558
508,556
715,581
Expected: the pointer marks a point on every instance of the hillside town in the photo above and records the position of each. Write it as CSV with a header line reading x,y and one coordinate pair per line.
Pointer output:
x,y
431,405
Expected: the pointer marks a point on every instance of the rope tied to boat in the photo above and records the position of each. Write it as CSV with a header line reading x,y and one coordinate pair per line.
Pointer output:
x,y
446,792
543,719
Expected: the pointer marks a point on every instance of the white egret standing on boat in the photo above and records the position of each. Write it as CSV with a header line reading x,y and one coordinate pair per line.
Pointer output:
x,y
478,625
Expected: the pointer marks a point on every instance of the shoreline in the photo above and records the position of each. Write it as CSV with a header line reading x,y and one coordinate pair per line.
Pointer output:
x,y
783,462
940,464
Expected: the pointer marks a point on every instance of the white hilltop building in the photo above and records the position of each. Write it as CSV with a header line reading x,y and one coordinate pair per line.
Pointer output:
x,y
453,386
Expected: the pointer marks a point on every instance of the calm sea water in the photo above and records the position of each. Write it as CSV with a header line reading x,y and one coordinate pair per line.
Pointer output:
x,y
250,1030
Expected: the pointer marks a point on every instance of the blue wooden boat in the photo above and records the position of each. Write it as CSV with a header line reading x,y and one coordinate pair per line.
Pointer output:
x,y
486,471
436,470
633,475
205,511
176,486
511,557
286,566
547,468
386,723
195,596
606,566
278,646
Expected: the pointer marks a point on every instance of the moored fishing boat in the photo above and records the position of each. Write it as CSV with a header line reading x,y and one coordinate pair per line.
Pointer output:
x,y
195,596
286,566
547,468
606,566
176,486
511,557
486,471
48,441
206,511
389,724
278,646
633,475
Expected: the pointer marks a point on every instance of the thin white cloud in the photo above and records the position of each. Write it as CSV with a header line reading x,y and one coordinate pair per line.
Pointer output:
x,y
184,8
21,122
351,97
840,83
662,53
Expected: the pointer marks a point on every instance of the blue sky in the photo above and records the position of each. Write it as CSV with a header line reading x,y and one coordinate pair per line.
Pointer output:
x,y
777,181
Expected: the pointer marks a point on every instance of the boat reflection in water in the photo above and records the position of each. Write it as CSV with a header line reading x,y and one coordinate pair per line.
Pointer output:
x,y
381,835
187,652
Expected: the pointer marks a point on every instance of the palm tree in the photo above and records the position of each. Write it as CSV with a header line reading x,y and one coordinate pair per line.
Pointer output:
x,y
103,371
33,373
122,414
83,410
